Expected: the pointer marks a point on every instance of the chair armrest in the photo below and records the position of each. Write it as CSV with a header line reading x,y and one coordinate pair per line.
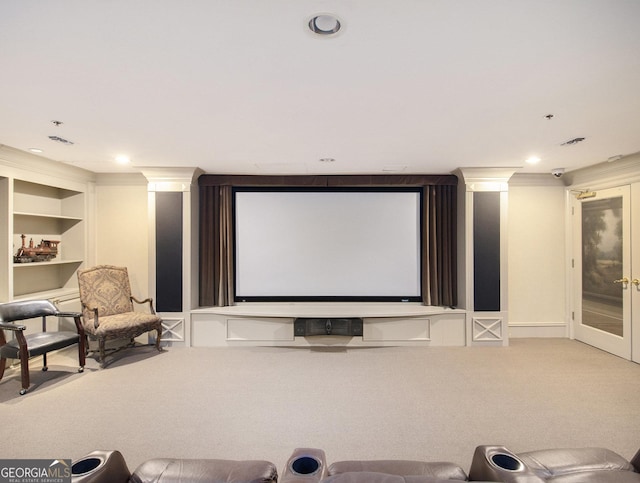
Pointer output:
x,y
147,300
96,322
635,461
11,326
68,314
76,319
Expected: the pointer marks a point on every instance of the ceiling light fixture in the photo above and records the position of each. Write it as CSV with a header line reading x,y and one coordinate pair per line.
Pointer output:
x,y
533,160
324,24
123,159
35,150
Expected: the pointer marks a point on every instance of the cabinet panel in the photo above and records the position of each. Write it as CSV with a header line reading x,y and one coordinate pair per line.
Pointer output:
x,y
397,329
6,260
255,329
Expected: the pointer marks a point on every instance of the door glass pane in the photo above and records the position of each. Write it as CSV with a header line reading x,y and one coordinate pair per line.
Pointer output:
x,y
602,264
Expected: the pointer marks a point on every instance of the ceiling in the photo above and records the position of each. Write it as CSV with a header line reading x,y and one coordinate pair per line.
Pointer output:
x,y
243,86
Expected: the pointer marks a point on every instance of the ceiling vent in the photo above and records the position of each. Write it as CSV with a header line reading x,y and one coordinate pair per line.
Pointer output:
x,y
572,141
58,139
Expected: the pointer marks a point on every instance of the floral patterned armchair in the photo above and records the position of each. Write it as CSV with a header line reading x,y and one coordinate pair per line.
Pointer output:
x,y
108,310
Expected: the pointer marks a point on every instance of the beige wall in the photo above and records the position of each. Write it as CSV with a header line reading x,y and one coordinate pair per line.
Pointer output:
x,y
536,260
536,248
122,230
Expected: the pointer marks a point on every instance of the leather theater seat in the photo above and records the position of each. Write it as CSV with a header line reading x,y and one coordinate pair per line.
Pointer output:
x,y
568,465
204,470
110,467
392,471
308,465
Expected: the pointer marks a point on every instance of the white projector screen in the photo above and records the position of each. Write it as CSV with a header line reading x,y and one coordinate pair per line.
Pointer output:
x,y
322,244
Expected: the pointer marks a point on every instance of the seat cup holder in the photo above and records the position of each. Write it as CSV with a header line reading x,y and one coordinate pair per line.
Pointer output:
x,y
506,462
85,466
305,465
100,467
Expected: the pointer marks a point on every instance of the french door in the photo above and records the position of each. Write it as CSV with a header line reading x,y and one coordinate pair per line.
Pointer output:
x,y
605,287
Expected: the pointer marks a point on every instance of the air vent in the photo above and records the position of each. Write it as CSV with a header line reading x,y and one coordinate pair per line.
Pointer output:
x,y
58,139
572,141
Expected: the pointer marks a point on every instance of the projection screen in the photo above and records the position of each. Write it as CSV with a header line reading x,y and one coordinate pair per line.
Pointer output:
x,y
327,244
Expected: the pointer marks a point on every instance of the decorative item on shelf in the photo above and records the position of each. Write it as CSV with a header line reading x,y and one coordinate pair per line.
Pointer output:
x,y
44,252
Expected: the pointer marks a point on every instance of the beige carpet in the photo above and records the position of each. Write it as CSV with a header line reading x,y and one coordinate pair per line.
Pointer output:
x,y
261,403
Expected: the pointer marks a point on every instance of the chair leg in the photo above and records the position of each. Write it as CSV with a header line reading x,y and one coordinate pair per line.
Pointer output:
x,y
3,361
23,354
24,369
101,343
159,330
81,354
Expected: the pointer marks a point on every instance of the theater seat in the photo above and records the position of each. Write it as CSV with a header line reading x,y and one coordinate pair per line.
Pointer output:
x,y
369,477
110,467
395,470
566,465
171,470
308,465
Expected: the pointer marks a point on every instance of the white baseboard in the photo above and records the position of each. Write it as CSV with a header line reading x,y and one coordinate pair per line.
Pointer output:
x,y
538,329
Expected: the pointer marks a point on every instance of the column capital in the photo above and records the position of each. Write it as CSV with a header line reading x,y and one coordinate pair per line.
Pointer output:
x,y
170,179
487,179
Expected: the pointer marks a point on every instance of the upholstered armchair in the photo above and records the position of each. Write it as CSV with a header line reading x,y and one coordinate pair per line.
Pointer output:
x,y
108,310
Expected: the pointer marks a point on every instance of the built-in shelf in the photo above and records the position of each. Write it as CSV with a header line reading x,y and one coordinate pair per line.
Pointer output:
x,y
44,264
46,212
41,215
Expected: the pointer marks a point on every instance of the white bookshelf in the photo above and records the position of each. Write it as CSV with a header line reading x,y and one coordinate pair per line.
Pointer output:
x,y
46,212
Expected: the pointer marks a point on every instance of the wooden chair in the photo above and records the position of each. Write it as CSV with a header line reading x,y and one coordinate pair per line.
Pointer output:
x,y
108,310
24,346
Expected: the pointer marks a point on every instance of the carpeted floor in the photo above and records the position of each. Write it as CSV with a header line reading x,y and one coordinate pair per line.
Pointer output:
x,y
369,403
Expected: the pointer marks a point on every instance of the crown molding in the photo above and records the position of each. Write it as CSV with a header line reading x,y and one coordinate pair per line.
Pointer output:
x,y
623,171
535,179
120,179
487,179
41,166
171,179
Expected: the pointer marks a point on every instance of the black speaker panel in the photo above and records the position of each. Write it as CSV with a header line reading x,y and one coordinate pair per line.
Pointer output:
x,y
486,251
169,251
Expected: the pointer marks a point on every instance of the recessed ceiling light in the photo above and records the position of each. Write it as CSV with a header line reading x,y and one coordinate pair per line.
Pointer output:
x,y
533,160
35,150
324,24
123,159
